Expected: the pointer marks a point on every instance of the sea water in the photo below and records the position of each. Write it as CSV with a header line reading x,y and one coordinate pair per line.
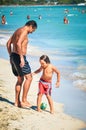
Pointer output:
x,y
65,44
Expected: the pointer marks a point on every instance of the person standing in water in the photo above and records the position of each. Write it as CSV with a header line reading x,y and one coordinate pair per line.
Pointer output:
x,y
3,19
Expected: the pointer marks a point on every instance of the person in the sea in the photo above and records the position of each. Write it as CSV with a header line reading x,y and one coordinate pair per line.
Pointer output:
x,y
28,16
45,82
3,19
66,21
17,48
11,12
39,17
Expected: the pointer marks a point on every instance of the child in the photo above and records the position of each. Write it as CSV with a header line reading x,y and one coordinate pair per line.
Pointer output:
x,y
45,81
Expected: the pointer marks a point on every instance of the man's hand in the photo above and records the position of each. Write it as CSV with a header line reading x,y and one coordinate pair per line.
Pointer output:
x,y
22,63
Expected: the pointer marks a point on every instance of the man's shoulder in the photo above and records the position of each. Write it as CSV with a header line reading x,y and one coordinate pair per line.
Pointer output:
x,y
19,30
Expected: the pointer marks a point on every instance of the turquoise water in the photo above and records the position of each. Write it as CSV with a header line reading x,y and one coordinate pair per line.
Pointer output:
x,y
64,43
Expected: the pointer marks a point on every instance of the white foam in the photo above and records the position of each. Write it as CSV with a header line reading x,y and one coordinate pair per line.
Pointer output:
x,y
3,39
80,83
79,80
78,75
70,15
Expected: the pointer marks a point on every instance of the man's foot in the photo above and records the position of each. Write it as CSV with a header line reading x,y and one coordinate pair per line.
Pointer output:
x,y
25,104
17,104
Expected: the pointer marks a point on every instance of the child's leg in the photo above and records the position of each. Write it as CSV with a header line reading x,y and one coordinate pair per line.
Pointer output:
x,y
50,101
39,98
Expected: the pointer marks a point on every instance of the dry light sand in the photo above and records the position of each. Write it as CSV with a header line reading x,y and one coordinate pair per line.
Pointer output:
x,y
13,118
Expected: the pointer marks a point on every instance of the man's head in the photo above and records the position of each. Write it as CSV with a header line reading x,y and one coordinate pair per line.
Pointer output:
x,y
31,24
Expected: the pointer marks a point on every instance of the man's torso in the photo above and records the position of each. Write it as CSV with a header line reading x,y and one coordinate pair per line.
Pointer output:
x,y
16,37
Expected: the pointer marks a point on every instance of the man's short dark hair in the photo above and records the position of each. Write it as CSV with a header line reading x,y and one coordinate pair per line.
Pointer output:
x,y
31,22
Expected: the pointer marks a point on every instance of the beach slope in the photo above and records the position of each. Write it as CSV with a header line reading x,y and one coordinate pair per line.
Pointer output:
x,y
13,118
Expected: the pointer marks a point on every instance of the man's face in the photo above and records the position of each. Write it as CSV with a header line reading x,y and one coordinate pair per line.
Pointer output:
x,y
32,29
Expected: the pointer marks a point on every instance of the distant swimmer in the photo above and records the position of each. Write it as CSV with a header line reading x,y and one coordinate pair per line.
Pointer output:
x,y
28,16
3,19
66,21
11,13
39,17
66,11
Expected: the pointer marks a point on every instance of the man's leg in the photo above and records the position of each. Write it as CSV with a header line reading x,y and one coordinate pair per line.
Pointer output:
x,y
18,90
26,86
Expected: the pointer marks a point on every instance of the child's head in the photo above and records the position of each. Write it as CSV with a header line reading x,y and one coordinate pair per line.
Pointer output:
x,y
44,60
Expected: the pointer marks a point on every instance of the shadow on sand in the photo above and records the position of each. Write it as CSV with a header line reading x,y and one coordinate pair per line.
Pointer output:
x,y
6,100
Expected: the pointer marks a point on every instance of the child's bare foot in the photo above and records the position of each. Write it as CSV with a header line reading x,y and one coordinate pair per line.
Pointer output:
x,y
51,111
39,110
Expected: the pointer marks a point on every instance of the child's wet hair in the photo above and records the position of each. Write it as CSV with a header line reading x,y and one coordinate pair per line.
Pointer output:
x,y
45,58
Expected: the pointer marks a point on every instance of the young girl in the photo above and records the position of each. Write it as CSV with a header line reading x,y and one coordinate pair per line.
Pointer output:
x,y
45,82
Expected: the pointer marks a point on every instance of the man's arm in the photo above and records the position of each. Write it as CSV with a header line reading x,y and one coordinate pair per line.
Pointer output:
x,y
19,47
9,45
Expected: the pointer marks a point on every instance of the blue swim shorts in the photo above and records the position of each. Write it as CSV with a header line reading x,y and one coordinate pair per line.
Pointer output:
x,y
15,63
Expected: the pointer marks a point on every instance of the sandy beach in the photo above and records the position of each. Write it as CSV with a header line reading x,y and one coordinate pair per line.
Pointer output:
x,y
14,118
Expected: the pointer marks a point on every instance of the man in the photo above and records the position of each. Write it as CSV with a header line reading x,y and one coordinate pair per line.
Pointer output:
x,y
17,48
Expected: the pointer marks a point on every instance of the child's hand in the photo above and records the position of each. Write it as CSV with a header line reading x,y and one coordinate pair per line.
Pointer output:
x,y
57,84
33,74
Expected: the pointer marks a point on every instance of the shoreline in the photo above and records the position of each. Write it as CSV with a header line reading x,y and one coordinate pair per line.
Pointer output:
x,y
14,117
44,5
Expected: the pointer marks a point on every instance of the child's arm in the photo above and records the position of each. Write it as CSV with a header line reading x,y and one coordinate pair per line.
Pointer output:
x,y
37,71
58,76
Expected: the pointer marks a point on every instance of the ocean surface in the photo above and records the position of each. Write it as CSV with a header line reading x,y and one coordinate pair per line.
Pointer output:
x,y
65,44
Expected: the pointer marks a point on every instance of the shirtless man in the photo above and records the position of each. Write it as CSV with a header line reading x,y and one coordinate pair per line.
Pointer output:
x,y
45,82
17,48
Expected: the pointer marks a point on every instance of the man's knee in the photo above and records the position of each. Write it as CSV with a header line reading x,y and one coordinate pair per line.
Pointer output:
x,y
20,80
29,77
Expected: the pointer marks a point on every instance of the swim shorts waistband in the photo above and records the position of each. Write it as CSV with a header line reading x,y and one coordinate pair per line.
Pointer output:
x,y
42,80
13,53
